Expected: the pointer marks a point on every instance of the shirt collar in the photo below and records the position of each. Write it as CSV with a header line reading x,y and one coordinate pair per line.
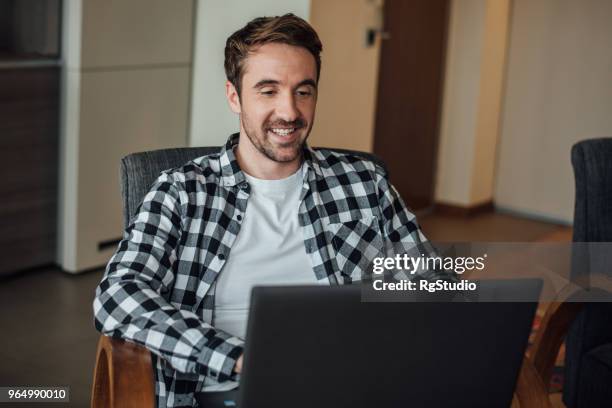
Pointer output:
x,y
232,175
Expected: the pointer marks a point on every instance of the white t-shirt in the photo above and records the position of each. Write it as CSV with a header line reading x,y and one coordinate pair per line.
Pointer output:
x,y
269,250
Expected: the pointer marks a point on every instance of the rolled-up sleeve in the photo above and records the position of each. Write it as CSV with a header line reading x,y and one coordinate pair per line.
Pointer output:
x,y
131,301
402,233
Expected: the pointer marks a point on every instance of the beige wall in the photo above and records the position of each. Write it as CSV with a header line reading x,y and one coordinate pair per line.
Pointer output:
x,y
349,75
460,101
558,92
492,71
473,87
122,112
136,33
125,89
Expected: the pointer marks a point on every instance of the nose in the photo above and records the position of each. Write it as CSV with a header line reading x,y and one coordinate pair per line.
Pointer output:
x,y
287,108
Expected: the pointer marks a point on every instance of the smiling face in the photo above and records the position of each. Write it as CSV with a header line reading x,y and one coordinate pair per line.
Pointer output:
x,y
277,103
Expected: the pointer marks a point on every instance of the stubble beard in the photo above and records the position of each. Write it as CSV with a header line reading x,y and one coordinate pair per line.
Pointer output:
x,y
265,147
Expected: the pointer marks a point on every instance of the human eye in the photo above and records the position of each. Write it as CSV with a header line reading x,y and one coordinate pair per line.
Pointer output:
x,y
304,92
267,91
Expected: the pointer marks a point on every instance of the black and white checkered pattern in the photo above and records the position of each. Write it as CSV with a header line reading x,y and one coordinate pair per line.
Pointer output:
x,y
159,286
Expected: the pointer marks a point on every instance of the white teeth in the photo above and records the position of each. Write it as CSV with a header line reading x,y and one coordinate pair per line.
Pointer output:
x,y
282,132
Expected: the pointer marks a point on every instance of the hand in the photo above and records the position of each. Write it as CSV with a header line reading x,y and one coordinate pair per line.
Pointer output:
x,y
238,368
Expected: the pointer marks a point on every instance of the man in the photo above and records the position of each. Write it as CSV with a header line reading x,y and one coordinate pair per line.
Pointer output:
x,y
265,210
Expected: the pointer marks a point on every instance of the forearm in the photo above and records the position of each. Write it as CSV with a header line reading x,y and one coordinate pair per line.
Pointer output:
x,y
403,236
128,307
132,301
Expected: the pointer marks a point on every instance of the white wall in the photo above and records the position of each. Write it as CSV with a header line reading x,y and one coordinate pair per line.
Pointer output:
x,y
211,119
558,91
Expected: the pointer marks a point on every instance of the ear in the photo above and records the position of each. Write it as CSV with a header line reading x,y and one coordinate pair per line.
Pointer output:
x,y
232,97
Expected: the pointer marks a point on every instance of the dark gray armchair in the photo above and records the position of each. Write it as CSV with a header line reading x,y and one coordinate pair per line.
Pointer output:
x,y
588,358
139,170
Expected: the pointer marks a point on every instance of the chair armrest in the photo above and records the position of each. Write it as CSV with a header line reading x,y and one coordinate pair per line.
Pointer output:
x,y
123,375
553,329
536,371
530,390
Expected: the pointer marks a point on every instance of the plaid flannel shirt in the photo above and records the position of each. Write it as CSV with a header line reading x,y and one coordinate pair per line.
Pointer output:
x,y
158,289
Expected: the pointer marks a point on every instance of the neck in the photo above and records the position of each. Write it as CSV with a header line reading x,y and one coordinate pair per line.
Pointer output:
x,y
256,164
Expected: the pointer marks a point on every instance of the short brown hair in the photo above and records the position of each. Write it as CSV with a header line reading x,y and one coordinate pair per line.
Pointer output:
x,y
287,29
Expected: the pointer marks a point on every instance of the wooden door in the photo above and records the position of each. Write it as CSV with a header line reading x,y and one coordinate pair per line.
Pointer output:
x,y
409,96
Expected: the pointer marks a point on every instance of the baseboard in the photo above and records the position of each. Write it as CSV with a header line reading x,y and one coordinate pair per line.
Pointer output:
x,y
464,211
533,215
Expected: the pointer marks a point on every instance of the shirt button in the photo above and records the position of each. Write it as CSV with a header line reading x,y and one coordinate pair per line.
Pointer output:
x,y
239,217
244,185
221,256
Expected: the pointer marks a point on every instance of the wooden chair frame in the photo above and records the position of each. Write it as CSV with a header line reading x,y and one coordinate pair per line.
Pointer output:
x,y
123,375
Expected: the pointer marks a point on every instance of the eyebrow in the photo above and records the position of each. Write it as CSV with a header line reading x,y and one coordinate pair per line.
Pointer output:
x,y
309,82
268,82
265,82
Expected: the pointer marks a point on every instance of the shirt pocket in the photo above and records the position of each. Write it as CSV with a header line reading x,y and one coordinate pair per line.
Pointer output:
x,y
356,243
